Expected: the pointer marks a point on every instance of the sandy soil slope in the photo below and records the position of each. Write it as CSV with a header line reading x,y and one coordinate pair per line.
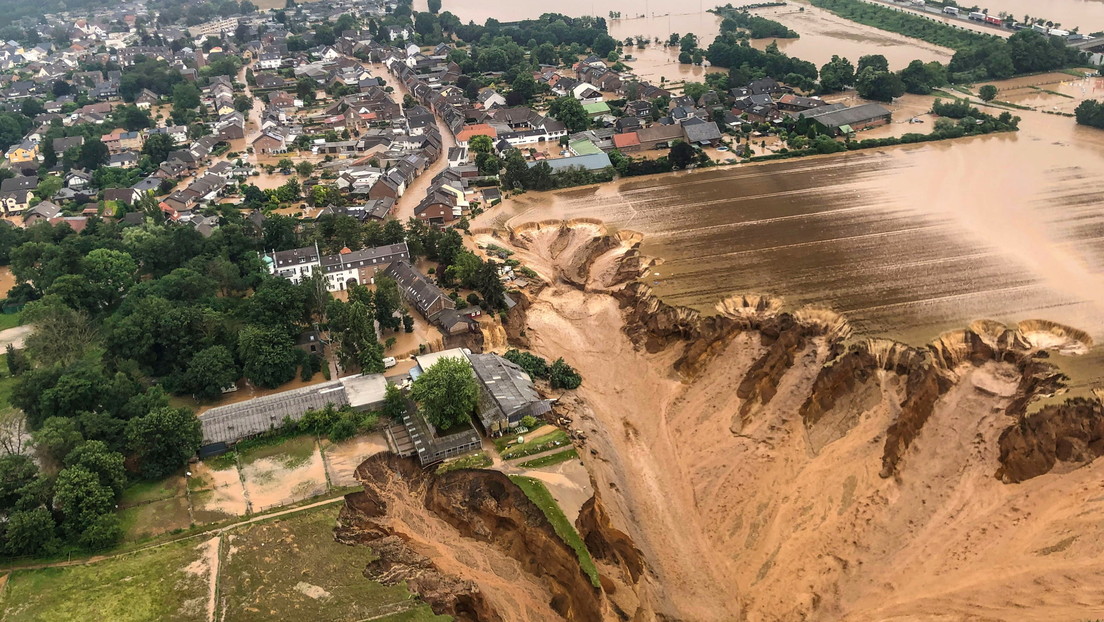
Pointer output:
x,y
769,468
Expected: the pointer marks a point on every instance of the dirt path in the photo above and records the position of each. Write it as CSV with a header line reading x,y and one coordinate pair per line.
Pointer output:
x,y
216,530
14,336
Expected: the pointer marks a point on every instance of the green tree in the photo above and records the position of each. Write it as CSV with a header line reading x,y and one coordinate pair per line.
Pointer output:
x,y
163,440
304,168
447,392
210,371
110,274
157,147
243,103
394,403
98,458
694,90
103,532
570,112
878,85
682,154
603,45
1091,113
81,499
387,302
563,376
987,93
488,163
30,532
434,6
837,74
268,356
17,472
481,144
92,154
57,437
185,96
877,62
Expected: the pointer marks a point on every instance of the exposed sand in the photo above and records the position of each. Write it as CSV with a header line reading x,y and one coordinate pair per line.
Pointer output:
x,y
220,495
746,516
343,458
269,482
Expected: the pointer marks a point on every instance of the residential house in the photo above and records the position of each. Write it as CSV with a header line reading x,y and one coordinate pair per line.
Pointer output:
x,y
23,153
42,212
417,290
15,201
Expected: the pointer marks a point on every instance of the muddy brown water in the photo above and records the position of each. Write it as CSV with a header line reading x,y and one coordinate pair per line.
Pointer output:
x,y
907,242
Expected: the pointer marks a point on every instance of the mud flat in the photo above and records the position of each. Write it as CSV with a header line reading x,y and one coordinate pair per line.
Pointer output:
x,y
343,458
283,474
773,466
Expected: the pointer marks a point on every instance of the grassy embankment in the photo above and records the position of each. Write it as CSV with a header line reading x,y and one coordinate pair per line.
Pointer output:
x,y
538,494
550,459
478,460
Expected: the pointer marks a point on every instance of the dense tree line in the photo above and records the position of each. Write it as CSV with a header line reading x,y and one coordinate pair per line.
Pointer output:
x,y
746,63
1091,113
977,56
559,374
735,20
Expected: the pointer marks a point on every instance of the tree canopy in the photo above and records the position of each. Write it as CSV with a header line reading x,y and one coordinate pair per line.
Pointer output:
x,y
447,392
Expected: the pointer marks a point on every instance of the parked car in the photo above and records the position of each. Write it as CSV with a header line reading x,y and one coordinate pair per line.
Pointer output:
x,y
389,362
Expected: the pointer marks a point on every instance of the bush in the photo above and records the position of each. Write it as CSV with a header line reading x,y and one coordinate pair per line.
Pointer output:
x,y
529,421
563,376
342,429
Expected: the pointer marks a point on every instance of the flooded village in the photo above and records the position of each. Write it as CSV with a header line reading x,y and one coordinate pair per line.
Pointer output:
x,y
436,310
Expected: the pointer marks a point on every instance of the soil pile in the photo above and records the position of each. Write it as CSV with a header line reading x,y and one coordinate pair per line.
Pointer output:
x,y
762,465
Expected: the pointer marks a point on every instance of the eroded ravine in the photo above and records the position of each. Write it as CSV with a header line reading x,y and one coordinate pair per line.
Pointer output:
x,y
762,465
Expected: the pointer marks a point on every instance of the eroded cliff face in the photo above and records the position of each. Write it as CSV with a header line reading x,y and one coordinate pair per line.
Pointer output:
x,y
469,542
764,465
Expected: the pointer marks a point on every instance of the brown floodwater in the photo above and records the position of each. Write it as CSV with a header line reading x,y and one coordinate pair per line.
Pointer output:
x,y
907,242
824,35
1086,14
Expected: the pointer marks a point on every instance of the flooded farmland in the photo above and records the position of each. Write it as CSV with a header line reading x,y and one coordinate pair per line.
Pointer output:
x,y
907,242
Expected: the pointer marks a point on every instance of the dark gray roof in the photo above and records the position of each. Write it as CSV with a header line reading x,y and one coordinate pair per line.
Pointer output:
x,y
414,286
701,132
230,423
366,257
295,256
846,116
508,392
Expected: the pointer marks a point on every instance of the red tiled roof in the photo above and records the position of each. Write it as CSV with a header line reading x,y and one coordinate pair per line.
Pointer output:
x,y
481,129
628,139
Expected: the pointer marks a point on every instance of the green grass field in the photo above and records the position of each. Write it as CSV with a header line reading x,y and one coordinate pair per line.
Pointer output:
x,y
293,565
536,445
551,459
151,585
10,320
478,460
538,494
